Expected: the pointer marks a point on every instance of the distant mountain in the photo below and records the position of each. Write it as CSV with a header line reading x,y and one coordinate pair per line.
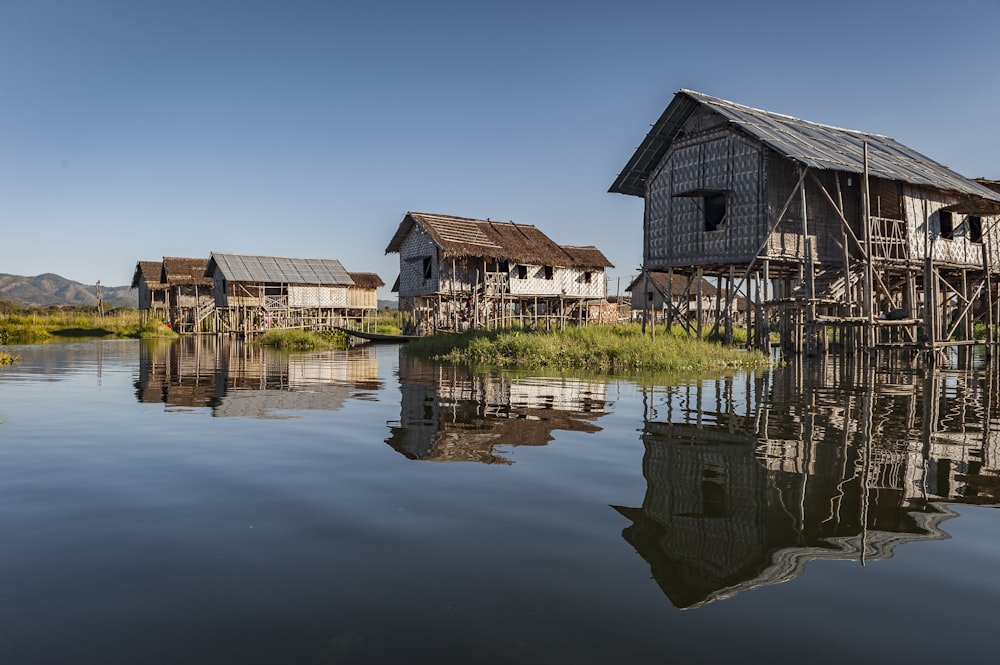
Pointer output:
x,y
51,289
391,304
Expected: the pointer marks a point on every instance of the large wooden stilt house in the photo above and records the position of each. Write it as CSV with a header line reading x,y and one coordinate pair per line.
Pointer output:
x,y
457,272
835,235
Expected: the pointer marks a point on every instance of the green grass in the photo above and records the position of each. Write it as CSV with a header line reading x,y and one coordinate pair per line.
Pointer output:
x,y
155,328
304,340
7,359
604,348
31,325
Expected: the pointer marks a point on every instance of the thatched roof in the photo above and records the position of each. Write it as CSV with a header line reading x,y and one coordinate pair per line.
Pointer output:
x,y
148,272
185,272
462,237
279,270
366,280
811,144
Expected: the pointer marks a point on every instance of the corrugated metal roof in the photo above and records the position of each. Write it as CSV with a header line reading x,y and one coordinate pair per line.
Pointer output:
x,y
280,270
812,144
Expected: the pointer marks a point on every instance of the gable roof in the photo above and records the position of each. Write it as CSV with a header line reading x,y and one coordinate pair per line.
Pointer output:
x,y
148,272
678,286
366,280
814,145
279,270
179,271
460,237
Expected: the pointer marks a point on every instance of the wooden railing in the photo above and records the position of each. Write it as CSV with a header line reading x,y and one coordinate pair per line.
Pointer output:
x,y
889,239
496,283
275,302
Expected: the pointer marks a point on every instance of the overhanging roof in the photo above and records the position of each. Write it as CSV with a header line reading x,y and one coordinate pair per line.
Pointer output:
x,y
460,237
279,270
814,145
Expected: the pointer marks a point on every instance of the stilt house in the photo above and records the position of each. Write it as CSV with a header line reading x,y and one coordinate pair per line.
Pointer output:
x,y
256,293
362,299
363,294
835,234
152,291
456,272
190,296
685,301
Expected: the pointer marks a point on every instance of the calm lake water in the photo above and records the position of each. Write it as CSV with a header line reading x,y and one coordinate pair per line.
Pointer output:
x,y
201,502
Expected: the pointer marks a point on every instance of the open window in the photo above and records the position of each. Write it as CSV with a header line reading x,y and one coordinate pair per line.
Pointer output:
x,y
975,228
588,277
548,272
947,224
713,206
428,268
715,210
522,272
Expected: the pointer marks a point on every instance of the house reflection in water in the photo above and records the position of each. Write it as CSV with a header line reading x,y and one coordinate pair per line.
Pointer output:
x,y
450,415
750,479
237,379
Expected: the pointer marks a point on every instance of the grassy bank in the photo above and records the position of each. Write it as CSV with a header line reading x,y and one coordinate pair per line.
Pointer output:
x,y
23,325
605,348
304,340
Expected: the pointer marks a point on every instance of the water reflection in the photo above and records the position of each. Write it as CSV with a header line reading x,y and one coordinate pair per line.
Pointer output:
x,y
236,379
749,479
450,415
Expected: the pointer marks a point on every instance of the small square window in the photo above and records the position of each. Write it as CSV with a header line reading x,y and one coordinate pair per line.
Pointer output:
x,y
522,272
588,277
548,272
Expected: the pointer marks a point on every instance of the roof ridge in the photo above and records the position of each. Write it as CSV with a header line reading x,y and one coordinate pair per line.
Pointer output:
x,y
708,99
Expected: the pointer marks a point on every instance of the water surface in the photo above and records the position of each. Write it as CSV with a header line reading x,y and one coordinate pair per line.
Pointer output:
x,y
201,502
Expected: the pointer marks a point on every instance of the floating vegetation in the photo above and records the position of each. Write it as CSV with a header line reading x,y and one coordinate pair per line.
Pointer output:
x,y
304,340
605,348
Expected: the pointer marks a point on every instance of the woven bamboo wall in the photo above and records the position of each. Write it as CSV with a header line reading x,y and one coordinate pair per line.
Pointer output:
x,y
675,225
417,245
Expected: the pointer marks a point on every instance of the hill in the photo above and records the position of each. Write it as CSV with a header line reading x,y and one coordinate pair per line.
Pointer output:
x,y
51,289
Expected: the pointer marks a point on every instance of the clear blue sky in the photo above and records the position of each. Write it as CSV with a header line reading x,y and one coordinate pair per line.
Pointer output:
x,y
135,130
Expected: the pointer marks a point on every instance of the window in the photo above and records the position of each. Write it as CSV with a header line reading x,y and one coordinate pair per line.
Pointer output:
x,y
975,228
428,268
503,266
715,211
945,222
522,272
548,272
588,277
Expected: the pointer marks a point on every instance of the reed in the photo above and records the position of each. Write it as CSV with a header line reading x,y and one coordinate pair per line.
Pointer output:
x,y
607,348
8,359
